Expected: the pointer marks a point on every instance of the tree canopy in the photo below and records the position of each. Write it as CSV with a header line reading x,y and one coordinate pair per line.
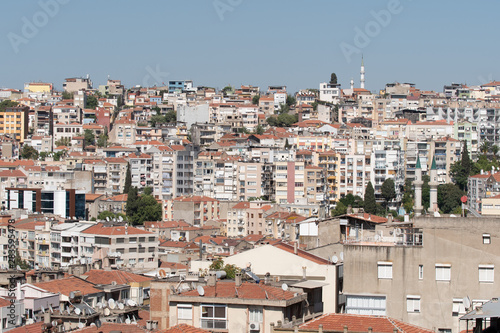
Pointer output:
x,y
218,265
92,102
370,203
461,170
449,197
29,153
142,208
388,190
283,120
89,137
256,99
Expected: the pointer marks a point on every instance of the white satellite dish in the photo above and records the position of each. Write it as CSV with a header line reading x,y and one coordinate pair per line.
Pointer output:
x,y
335,259
104,303
466,302
131,302
54,323
99,305
127,321
436,214
107,312
42,308
342,256
78,311
284,286
121,306
80,325
112,304
72,294
200,290
18,268
82,261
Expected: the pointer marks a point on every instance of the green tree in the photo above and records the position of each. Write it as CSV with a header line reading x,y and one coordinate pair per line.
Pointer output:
x,y
157,119
256,99
7,104
147,191
259,130
58,155
65,141
132,202
340,209
128,180
104,214
388,191
449,197
426,192
218,265
102,141
354,201
287,144
67,95
290,101
149,210
243,130
89,137
461,170
369,200
18,261
171,116
92,102
29,153
227,90
333,78
408,196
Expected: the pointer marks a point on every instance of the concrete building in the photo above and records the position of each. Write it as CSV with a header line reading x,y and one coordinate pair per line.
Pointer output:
x,y
420,273
193,114
14,121
77,83
195,210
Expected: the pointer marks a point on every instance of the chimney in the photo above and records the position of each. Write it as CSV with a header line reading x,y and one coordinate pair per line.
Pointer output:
x,y
237,279
370,330
46,317
389,218
304,275
295,248
320,328
345,329
212,279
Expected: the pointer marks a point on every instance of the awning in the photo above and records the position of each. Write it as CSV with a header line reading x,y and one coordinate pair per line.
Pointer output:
x,y
309,284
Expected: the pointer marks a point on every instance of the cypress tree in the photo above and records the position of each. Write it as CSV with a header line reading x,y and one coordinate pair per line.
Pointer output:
x,y
128,180
370,202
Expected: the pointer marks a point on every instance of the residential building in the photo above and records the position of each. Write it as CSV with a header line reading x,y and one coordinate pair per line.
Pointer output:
x,y
14,121
77,83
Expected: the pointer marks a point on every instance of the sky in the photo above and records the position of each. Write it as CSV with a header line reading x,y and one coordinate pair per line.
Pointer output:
x,y
259,42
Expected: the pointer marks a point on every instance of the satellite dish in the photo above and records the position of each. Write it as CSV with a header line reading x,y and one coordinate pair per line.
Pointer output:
x,y
342,256
42,308
54,323
335,259
436,214
82,261
72,294
284,286
98,323
78,311
200,290
121,306
112,304
162,273
466,302
104,303
127,321
99,305
131,302
80,325
107,312
18,268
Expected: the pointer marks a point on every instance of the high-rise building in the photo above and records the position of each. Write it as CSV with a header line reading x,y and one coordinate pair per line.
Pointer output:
x,y
14,122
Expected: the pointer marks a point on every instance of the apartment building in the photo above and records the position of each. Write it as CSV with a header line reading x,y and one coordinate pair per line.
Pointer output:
x,y
484,185
66,131
14,121
123,246
123,132
141,166
116,174
355,171
68,246
389,163
77,83
195,210
67,114
467,131
330,162
421,274
249,181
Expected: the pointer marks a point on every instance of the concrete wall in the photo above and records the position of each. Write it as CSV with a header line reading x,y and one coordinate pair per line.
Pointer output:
x,y
457,242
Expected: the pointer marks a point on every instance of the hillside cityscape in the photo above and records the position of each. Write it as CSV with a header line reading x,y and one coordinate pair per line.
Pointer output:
x,y
184,208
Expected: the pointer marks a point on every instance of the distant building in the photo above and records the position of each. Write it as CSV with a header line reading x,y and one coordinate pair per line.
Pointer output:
x,y
14,121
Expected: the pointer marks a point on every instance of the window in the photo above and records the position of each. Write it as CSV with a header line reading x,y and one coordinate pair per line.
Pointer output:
x,y
458,307
132,240
213,316
384,270
420,272
255,315
365,305
185,311
120,240
413,303
486,273
444,330
486,239
443,272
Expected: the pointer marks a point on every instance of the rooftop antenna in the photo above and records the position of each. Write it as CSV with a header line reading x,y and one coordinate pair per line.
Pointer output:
x,y
78,311
50,308
98,323
200,290
120,306
467,303
335,259
112,304
42,308
127,321
284,286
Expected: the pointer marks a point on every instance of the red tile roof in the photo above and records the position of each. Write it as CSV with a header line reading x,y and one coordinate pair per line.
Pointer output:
x,y
113,327
361,323
33,328
247,290
100,229
301,253
67,285
165,224
4,302
99,276
173,265
184,328
12,173
368,217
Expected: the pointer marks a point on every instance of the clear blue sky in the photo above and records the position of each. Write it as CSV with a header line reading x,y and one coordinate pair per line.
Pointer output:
x,y
258,42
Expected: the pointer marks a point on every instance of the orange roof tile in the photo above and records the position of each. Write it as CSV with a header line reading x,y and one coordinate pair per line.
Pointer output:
x,y
100,229
361,323
301,253
99,276
184,328
67,285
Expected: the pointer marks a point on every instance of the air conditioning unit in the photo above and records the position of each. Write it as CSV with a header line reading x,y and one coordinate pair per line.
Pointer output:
x,y
254,326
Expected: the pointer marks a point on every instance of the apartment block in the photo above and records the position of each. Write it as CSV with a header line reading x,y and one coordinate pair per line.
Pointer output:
x,y
14,121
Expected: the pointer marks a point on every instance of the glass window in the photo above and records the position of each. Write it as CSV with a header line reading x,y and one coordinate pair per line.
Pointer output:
x,y
412,303
384,270
185,311
213,316
486,273
443,272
